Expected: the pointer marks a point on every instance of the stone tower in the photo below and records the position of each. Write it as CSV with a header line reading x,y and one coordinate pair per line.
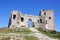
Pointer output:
x,y
14,19
47,19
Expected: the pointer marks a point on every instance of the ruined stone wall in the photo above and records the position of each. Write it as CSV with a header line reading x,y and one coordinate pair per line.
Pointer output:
x,y
18,19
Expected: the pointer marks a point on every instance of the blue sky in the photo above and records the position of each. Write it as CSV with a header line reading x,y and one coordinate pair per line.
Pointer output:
x,y
31,7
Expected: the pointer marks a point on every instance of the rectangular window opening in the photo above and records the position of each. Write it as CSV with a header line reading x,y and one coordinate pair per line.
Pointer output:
x,y
40,20
14,16
22,19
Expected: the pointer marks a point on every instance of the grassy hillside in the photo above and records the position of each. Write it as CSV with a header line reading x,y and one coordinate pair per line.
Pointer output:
x,y
30,38
18,30
7,38
24,38
27,31
49,33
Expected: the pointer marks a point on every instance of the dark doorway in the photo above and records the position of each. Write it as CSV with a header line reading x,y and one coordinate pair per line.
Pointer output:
x,y
30,23
14,16
22,19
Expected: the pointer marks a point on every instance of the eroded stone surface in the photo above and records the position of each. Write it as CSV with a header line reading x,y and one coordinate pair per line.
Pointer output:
x,y
44,20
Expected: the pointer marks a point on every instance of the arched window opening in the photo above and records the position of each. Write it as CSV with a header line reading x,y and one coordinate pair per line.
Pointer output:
x,y
22,19
30,23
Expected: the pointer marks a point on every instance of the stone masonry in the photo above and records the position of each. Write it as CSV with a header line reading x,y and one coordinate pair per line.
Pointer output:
x,y
44,20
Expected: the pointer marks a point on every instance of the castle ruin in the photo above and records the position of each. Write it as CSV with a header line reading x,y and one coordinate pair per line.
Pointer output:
x,y
44,20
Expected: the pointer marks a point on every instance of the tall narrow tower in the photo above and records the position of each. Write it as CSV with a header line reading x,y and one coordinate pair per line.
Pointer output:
x,y
13,21
48,19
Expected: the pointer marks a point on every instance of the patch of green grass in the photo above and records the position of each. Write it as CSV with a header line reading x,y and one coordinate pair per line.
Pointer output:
x,y
7,38
23,30
30,38
18,30
17,39
57,35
